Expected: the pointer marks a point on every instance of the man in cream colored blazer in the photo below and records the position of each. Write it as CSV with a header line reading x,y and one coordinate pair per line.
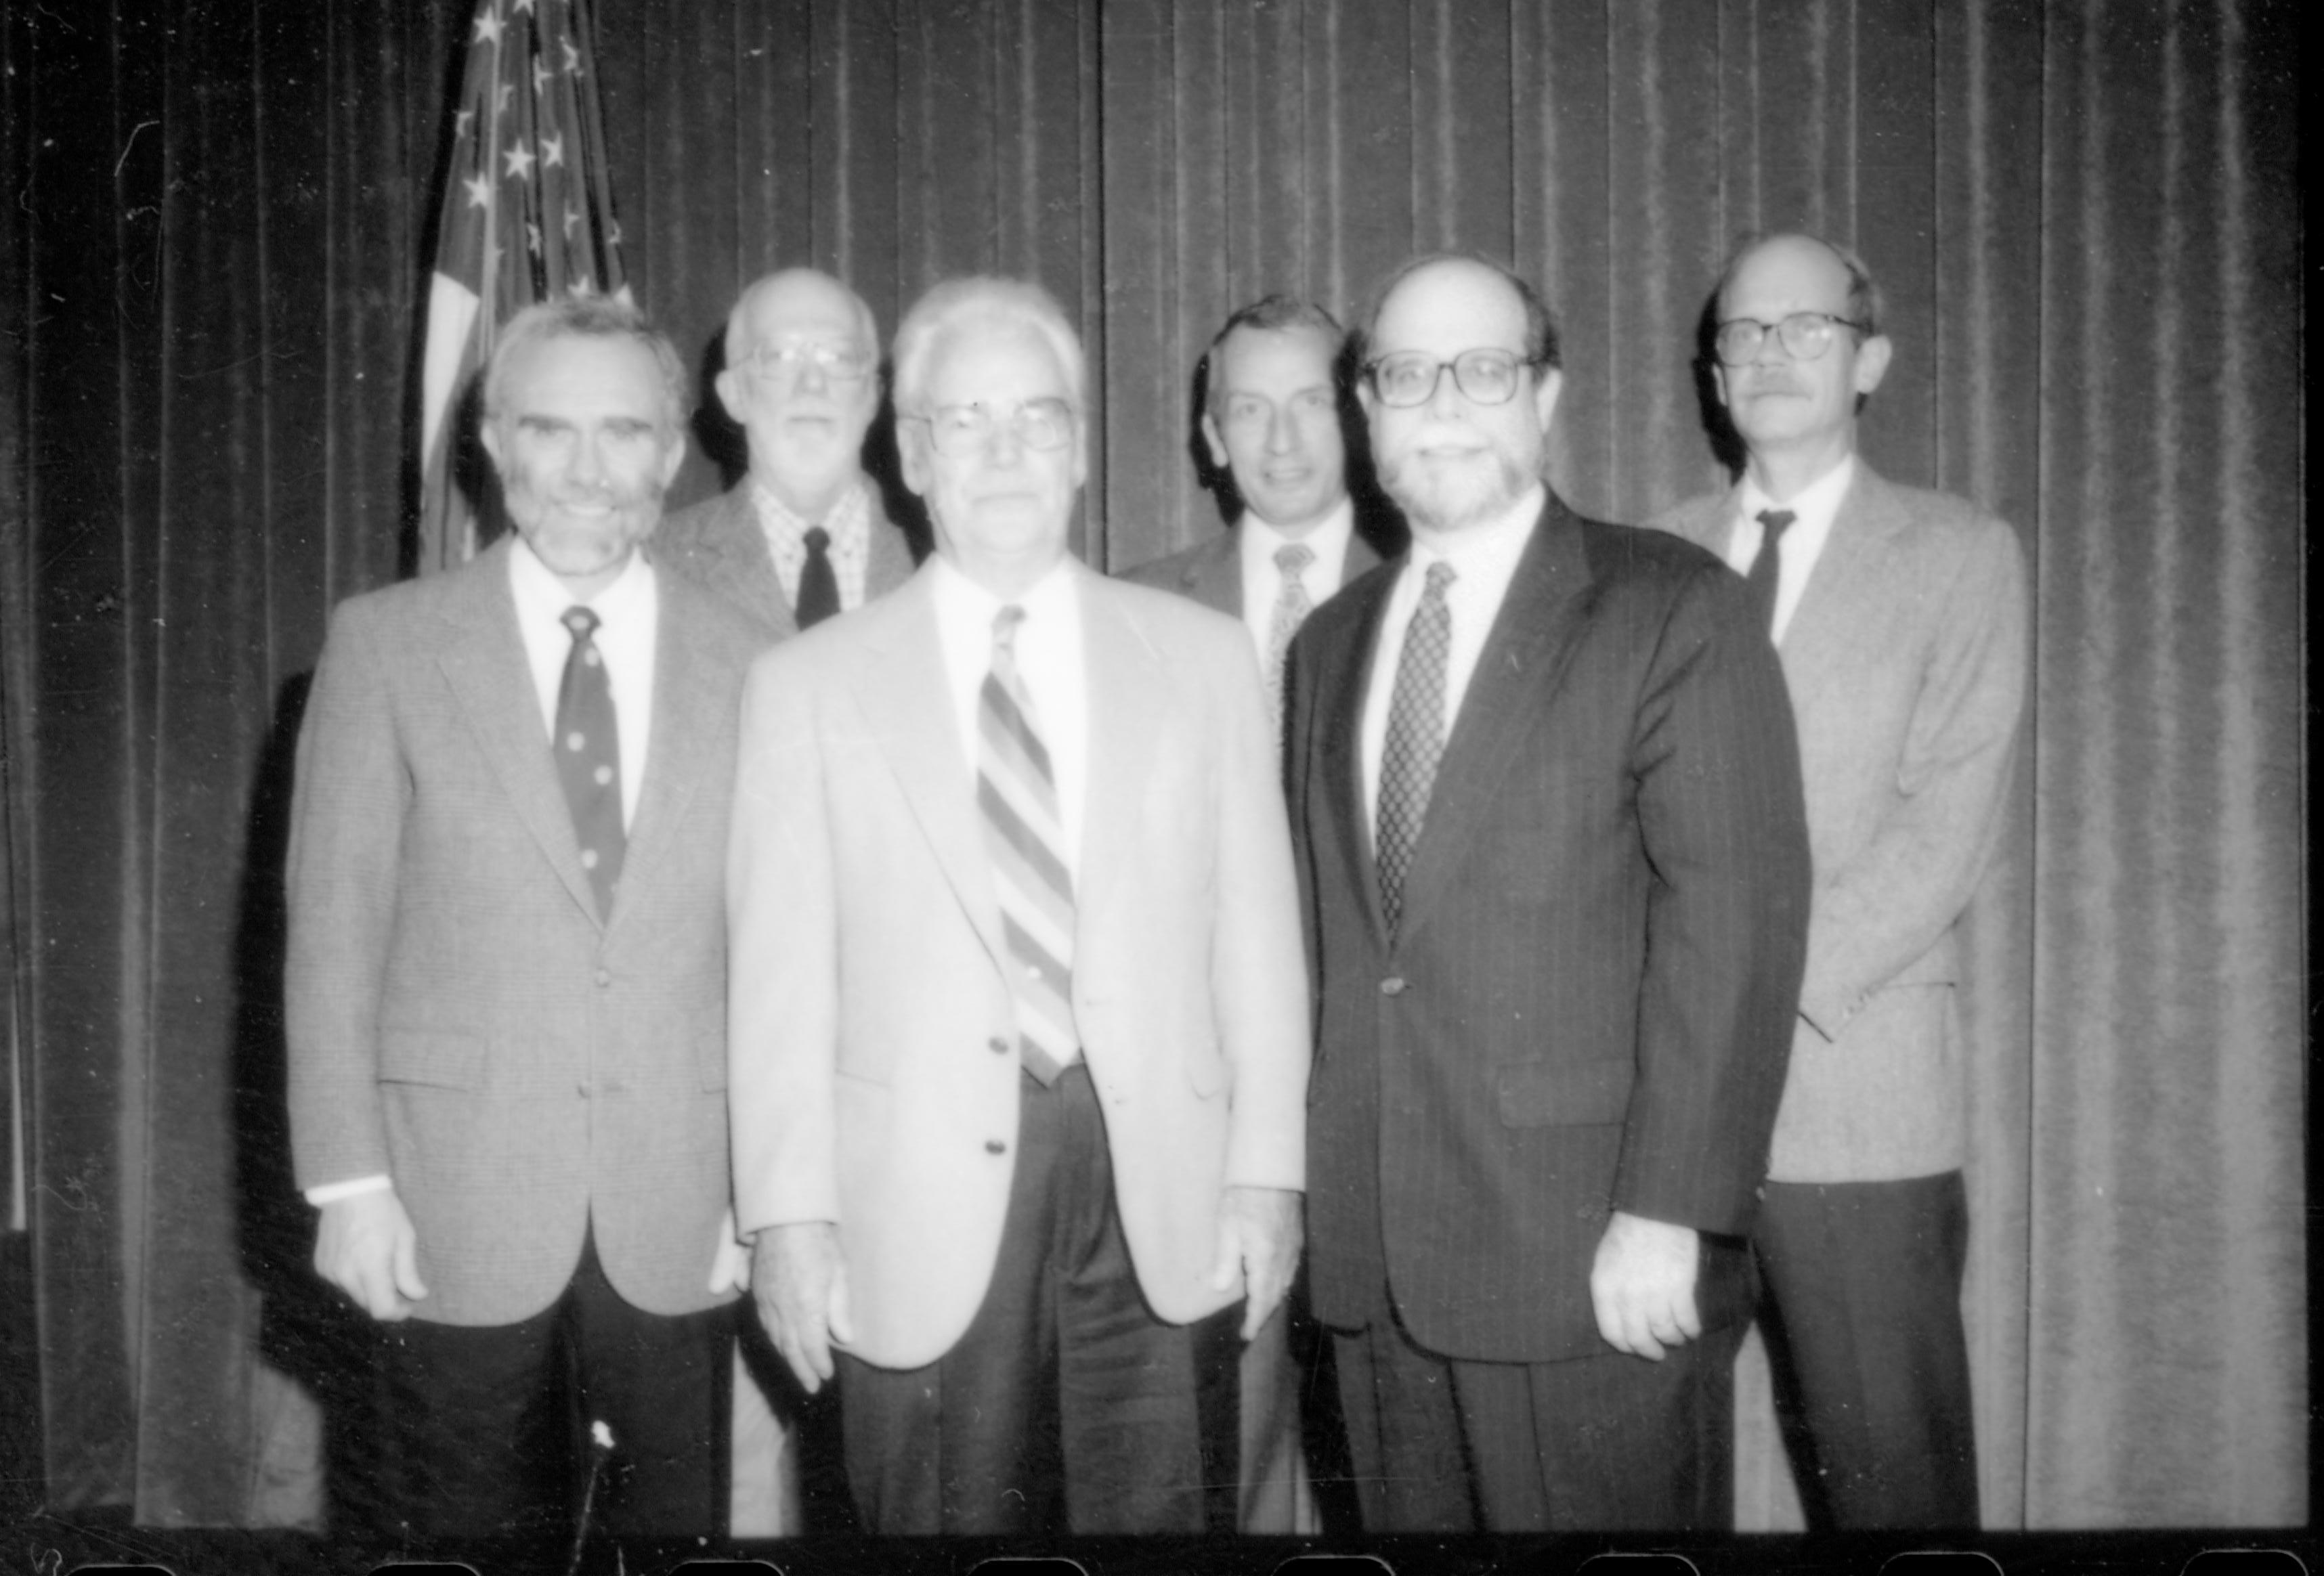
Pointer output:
x,y
1019,1011
1900,618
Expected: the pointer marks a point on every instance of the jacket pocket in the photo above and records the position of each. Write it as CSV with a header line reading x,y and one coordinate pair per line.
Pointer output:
x,y
1542,1093
431,1056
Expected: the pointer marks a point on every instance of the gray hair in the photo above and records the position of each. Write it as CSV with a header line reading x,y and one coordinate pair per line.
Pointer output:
x,y
986,301
586,318
738,315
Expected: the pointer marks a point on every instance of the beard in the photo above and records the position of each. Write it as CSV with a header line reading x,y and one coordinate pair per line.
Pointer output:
x,y
583,541
1446,497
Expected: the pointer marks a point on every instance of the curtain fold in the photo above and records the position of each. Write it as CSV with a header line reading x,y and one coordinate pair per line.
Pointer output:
x,y
2085,217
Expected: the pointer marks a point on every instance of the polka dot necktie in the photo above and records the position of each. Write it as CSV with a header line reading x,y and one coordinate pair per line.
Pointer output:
x,y
588,748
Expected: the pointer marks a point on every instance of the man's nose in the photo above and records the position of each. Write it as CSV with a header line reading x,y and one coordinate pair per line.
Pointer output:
x,y
1444,399
811,375
1280,438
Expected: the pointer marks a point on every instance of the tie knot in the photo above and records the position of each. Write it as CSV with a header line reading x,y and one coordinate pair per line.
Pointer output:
x,y
1774,520
580,621
817,538
1293,557
1440,576
1004,628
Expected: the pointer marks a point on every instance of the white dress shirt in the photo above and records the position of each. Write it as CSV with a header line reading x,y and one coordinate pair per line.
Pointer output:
x,y
1262,580
1814,508
629,618
849,527
1051,660
1484,558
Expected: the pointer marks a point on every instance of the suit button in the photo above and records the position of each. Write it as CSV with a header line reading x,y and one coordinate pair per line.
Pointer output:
x,y
1392,986
603,977
997,1046
995,1146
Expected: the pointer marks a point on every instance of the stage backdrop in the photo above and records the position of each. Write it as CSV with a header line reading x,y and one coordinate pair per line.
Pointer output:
x,y
2087,220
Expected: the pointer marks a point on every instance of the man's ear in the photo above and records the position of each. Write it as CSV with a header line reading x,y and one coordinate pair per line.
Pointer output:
x,y
1872,362
729,384
911,450
1544,395
673,455
489,430
1218,446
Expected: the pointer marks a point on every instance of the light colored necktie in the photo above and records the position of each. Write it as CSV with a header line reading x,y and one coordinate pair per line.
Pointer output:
x,y
1767,573
1292,607
1416,739
1017,799
588,751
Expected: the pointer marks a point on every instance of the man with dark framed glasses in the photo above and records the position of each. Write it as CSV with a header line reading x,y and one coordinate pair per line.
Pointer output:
x,y
1543,785
1900,617
802,536
1020,1015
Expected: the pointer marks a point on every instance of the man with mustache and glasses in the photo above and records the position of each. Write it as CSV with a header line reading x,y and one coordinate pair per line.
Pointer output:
x,y
507,970
1900,617
802,536
1546,799
1019,1016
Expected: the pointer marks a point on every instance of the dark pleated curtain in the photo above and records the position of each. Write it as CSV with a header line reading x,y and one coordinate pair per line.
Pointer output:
x,y
2085,217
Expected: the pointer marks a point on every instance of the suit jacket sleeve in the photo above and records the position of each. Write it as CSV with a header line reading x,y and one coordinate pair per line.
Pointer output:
x,y
1894,899
782,928
1257,964
346,829
1724,833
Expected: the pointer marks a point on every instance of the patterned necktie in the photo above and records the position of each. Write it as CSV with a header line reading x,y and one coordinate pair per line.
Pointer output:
x,y
1416,739
1767,569
1017,794
1292,607
588,749
818,587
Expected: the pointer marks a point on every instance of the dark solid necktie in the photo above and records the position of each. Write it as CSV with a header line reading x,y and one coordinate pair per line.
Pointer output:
x,y
588,749
1767,573
818,587
1416,739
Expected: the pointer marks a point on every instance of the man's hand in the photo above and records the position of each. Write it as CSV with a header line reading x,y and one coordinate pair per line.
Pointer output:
x,y
1643,1284
1260,1231
730,1261
364,1247
799,1279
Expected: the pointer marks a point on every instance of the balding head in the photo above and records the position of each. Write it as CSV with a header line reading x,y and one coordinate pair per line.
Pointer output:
x,y
802,380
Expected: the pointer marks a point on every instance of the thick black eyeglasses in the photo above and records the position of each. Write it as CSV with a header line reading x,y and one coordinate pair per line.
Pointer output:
x,y
1410,377
1805,335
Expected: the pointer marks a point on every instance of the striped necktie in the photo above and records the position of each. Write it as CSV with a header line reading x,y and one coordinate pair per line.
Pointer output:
x,y
1415,740
1016,796
1292,607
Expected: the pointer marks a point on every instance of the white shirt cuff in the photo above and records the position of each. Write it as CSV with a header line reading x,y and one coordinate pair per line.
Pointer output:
x,y
332,1192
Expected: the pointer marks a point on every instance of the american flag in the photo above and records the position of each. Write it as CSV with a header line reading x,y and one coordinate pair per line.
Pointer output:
x,y
528,216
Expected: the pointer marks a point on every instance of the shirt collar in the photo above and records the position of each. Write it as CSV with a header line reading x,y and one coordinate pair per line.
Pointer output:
x,y
848,523
1502,537
1338,524
962,599
541,594
1812,507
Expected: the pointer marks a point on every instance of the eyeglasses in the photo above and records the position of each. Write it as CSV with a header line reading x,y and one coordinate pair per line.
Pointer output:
x,y
1410,377
1805,335
840,364
959,431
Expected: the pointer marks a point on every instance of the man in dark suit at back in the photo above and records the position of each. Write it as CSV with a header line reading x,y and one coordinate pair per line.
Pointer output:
x,y
802,536
1548,800
1271,419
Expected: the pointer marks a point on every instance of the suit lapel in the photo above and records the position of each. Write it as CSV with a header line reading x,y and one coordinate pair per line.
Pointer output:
x,y
679,747
1127,692
1517,672
1841,624
483,659
889,560
1344,679
1361,560
739,545
907,705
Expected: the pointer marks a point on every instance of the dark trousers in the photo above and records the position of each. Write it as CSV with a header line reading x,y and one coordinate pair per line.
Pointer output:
x,y
1607,1440
489,1427
1066,1406
1862,1314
